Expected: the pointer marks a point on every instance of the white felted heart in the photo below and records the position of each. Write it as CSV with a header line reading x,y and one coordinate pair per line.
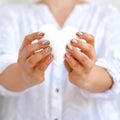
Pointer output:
x,y
58,40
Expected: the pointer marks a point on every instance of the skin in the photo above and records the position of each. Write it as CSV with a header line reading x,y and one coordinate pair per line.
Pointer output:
x,y
80,64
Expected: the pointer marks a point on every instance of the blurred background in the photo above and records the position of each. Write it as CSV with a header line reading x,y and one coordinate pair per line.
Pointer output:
x,y
114,2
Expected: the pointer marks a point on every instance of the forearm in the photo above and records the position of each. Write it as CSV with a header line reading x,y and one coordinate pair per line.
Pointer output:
x,y
12,79
99,80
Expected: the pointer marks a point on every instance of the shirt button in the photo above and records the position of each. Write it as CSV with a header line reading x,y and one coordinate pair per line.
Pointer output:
x,y
57,90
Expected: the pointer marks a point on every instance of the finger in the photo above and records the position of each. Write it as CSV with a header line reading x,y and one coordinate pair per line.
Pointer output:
x,y
32,48
31,37
69,69
43,65
84,47
88,37
74,64
37,57
82,58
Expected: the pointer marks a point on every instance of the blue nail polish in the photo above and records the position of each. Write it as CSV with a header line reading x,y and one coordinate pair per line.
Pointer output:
x,y
50,57
79,34
48,49
74,41
69,47
46,42
67,55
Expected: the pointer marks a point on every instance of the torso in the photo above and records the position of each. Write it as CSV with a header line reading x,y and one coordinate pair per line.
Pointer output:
x,y
42,102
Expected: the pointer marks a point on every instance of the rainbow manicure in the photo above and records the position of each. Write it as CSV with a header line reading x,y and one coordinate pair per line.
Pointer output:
x,y
69,47
46,42
67,55
48,49
50,57
79,34
41,34
74,41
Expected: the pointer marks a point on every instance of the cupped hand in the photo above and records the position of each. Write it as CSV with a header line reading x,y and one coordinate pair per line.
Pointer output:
x,y
34,58
80,59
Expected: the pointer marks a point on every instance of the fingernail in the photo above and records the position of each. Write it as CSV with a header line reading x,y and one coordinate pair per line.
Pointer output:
x,y
67,55
69,47
74,41
50,57
48,49
79,34
41,34
46,42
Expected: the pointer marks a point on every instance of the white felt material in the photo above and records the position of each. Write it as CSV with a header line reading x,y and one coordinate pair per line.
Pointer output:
x,y
58,40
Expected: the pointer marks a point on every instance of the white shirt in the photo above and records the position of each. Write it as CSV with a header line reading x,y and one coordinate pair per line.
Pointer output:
x,y
56,98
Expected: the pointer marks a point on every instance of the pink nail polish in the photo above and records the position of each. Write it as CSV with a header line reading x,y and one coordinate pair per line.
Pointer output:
x,y
67,56
48,49
47,42
50,57
69,47
74,41
79,34
41,34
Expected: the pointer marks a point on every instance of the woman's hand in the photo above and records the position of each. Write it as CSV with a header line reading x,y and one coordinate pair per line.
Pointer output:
x,y
80,59
34,58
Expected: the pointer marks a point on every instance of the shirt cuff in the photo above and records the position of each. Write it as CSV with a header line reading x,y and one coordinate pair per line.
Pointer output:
x,y
5,61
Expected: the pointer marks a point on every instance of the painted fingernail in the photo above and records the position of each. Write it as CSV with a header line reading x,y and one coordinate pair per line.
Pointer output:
x,y
48,49
79,34
50,57
46,42
67,55
74,41
69,47
41,34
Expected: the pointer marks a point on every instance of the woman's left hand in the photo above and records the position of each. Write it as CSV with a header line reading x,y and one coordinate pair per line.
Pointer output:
x,y
80,59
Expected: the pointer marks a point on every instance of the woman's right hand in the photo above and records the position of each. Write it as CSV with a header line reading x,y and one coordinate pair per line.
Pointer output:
x,y
34,58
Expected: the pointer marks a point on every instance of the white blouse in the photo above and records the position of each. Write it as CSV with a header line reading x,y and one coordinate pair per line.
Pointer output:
x,y
56,98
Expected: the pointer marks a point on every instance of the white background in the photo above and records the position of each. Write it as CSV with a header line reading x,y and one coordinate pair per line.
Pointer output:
x,y
115,2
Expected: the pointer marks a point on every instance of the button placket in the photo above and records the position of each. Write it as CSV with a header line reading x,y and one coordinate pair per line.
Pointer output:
x,y
56,104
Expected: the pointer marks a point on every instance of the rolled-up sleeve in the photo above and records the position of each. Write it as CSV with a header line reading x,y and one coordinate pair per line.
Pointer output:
x,y
8,44
110,57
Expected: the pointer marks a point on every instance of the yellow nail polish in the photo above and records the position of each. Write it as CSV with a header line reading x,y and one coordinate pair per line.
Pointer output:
x,y
46,42
79,34
41,34
69,47
74,41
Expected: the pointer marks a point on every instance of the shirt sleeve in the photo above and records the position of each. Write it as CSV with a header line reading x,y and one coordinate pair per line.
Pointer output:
x,y
110,58
8,43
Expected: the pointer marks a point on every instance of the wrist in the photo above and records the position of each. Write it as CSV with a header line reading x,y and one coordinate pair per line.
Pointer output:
x,y
99,80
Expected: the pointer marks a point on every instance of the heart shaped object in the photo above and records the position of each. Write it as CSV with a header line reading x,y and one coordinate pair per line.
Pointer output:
x,y
58,40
